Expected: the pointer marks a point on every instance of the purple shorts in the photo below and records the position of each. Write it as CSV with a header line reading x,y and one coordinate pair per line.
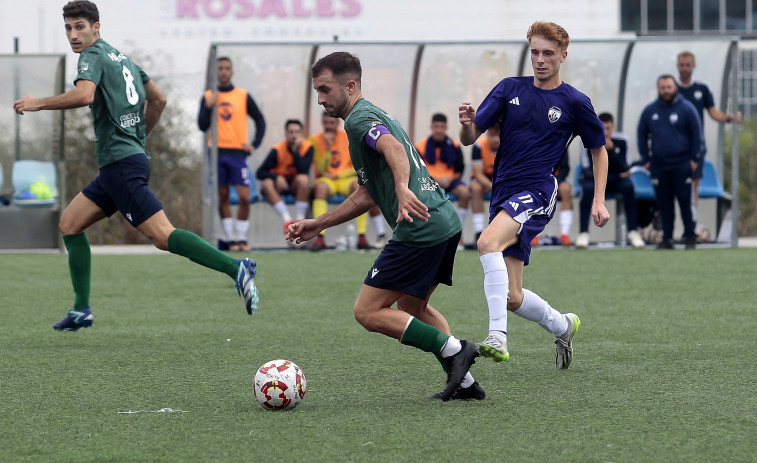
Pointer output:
x,y
233,170
533,209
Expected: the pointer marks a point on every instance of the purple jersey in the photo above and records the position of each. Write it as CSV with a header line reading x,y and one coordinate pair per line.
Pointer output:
x,y
537,126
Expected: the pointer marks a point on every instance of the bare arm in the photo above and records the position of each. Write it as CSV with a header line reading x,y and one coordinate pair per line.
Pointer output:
x,y
156,101
720,116
396,156
358,203
81,95
598,209
469,131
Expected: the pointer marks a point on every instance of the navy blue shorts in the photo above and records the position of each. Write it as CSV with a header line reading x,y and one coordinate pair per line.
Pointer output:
x,y
533,209
413,271
122,186
233,170
454,184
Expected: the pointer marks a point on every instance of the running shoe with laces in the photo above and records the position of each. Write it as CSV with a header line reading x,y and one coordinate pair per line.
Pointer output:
x,y
472,392
246,284
495,348
564,342
74,320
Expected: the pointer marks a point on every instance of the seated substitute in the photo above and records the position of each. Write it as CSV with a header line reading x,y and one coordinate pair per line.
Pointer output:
x,y
286,171
482,165
618,182
334,174
444,160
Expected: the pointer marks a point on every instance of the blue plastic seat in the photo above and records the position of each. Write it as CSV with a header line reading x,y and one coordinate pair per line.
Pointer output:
x,y
337,199
642,184
26,172
709,186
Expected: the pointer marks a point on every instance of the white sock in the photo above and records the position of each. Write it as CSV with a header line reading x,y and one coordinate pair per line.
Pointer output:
x,y
301,208
478,221
538,310
496,288
243,226
282,210
227,224
462,213
467,381
566,221
378,225
451,347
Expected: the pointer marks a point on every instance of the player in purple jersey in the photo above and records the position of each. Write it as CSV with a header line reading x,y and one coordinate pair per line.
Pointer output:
x,y
539,116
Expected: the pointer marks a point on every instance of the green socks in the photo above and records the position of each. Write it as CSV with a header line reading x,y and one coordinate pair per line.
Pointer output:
x,y
80,267
424,337
198,250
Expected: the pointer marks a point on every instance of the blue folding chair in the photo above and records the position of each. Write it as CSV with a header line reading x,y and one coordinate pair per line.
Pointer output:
x,y
642,184
709,186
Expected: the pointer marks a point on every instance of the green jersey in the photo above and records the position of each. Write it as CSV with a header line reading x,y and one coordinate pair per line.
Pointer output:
x,y
375,175
118,110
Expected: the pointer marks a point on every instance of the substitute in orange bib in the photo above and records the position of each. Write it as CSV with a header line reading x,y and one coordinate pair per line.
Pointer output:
x,y
233,106
444,160
286,171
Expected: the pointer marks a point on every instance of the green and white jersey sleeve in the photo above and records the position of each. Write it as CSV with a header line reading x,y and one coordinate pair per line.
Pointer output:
x,y
375,175
118,108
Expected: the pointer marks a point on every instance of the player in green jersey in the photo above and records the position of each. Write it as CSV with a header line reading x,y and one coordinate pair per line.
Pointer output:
x,y
421,254
125,106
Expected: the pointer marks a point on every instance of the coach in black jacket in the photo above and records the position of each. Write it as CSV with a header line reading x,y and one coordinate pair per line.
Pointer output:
x,y
670,141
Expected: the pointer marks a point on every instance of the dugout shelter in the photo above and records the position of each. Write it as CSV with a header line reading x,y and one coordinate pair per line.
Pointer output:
x,y
414,80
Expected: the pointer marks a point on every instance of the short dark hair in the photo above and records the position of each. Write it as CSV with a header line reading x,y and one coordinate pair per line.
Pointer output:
x,y
438,117
666,76
81,9
606,117
341,64
223,58
292,121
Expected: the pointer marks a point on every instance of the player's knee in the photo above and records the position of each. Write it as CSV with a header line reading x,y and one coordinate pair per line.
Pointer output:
x,y
487,243
68,226
365,318
321,190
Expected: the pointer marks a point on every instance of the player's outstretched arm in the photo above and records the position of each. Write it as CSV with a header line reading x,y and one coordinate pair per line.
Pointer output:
x,y
156,101
408,205
82,95
358,203
598,209
469,131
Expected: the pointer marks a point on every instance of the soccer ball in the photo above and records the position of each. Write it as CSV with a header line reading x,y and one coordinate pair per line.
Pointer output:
x,y
279,385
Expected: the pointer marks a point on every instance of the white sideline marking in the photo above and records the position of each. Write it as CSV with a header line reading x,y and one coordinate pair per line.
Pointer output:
x,y
162,410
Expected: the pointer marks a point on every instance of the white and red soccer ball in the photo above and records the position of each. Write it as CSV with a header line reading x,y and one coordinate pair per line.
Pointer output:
x,y
279,385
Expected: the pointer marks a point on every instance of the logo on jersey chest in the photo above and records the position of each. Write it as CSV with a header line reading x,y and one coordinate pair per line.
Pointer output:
x,y
698,94
554,114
